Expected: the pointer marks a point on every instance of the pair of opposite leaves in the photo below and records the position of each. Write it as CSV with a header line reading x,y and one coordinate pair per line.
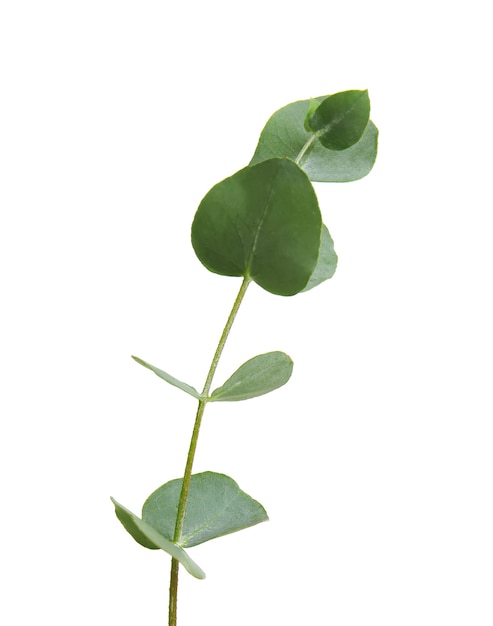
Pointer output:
x,y
216,506
264,224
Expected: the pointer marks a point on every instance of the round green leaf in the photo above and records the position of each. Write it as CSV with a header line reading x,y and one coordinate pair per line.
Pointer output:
x,y
340,120
285,135
216,506
256,377
262,223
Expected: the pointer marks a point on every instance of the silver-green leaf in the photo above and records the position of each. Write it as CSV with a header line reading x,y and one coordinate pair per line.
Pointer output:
x,y
256,377
147,535
216,506
286,134
327,261
169,379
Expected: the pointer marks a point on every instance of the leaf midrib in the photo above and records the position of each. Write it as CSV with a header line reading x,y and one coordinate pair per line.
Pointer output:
x,y
260,225
208,522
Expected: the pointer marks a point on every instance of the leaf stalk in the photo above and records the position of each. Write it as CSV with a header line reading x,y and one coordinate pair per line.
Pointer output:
x,y
305,149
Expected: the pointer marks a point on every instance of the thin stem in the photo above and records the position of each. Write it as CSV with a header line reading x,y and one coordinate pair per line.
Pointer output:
x,y
173,593
224,336
308,146
182,503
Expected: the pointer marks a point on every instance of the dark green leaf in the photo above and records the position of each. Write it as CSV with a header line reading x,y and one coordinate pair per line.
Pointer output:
x,y
262,223
256,377
341,119
216,506
169,379
147,535
327,261
285,135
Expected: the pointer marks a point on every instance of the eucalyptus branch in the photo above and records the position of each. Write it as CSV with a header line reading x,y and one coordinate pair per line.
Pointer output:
x,y
263,224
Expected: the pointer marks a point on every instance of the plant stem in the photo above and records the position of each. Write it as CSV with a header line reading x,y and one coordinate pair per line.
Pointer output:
x,y
303,152
173,593
182,503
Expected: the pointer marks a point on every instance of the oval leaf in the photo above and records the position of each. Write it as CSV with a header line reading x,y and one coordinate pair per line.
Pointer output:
x,y
327,261
341,119
262,223
169,379
285,135
258,376
145,534
216,506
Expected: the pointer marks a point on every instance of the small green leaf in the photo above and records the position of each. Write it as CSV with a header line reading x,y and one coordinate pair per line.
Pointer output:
x,y
216,506
341,119
147,535
262,223
327,261
256,377
170,379
285,135
314,104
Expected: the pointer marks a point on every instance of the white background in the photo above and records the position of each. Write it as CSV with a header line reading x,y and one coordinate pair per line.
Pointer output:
x,y
375,461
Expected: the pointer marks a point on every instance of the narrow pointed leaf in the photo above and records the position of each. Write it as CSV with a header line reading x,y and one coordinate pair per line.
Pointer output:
x,y
130,523
145,534
258,376
341,119
285,135
327,261
262,223
216,506
169,379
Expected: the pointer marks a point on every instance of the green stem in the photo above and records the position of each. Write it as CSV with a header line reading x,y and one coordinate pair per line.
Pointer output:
x,y
303,152
173,593
182,503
